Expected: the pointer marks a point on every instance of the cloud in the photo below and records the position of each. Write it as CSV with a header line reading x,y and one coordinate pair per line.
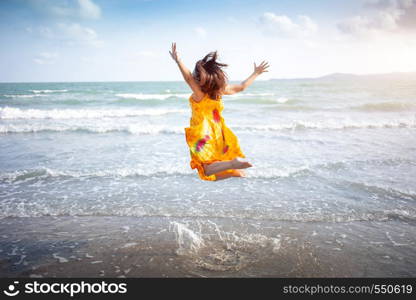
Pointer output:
x,y
201,32
364,25
89,9
46,58
408,16
76,32
46,32
70,33
379,4
79,9
283,26
392,16
146,53
138,57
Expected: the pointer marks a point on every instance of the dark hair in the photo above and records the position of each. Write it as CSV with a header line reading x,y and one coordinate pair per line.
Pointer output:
x,y
210,76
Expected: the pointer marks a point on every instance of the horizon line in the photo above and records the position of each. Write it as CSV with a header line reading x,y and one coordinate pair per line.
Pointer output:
x,y
237,80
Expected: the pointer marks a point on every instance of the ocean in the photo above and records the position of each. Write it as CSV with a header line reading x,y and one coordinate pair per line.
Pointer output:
x,y
95,181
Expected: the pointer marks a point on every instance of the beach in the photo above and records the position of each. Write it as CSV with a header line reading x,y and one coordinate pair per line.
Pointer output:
x,y
95,181
203,247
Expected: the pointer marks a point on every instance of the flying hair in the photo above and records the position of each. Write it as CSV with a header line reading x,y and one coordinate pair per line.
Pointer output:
x,y
210,76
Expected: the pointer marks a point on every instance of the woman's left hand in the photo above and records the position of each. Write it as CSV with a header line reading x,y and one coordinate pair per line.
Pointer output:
x,y
261,68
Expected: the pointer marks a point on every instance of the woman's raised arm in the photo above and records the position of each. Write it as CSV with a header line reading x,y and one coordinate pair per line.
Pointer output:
x,y
187,75
236,88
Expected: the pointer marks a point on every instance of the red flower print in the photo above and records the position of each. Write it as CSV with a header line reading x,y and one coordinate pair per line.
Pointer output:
x,y
216,115
225,149
201,143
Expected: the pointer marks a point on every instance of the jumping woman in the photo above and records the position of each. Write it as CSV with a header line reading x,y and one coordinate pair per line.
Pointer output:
x,y
213,146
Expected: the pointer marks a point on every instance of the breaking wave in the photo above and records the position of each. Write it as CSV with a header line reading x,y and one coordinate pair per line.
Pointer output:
x,y
48,91
17,113
24,96
152,96
386,106
137,128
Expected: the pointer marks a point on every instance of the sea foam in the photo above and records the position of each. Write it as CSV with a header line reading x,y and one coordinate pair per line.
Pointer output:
x,y
48,91
17,113
386,106
151,96
143,129
24,96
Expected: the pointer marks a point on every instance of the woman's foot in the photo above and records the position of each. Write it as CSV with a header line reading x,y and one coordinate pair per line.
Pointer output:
x,y
230,173
236,164
239,173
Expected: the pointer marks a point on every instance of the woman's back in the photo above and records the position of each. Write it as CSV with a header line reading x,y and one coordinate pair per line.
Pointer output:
x,y
213,146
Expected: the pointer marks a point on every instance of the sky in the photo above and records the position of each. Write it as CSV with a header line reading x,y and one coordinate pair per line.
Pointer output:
x,y
129,40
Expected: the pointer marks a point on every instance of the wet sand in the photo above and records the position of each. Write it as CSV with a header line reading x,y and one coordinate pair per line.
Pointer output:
x,y
204,247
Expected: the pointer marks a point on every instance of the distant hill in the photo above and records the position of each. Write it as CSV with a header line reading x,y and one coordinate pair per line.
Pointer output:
x,y
387,76
347,76
339,76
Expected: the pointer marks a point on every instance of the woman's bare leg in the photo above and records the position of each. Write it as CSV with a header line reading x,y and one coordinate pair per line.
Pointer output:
x,y
220,166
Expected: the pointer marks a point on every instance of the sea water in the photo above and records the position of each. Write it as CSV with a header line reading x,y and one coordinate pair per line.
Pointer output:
x,y
327,153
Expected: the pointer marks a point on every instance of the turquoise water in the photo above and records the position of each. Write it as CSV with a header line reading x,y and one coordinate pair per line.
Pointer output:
x,y
326,150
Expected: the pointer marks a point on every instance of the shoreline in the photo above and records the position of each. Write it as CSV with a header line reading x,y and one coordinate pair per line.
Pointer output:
x,y
96,246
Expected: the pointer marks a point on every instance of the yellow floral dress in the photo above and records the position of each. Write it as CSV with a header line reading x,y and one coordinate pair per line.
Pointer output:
x,y
208,138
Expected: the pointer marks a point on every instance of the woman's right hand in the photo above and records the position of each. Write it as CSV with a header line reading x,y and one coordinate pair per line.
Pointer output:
x,y
173,53
261,68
